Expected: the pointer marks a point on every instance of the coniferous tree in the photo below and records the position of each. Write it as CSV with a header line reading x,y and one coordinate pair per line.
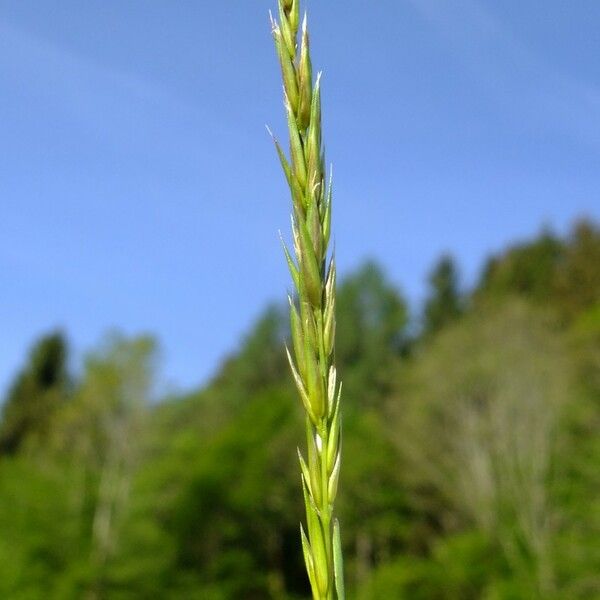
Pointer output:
x,y
578,275
372,333
444,303
38,390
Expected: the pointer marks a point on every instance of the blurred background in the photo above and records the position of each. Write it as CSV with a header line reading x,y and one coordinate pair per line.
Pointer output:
x,y
148,425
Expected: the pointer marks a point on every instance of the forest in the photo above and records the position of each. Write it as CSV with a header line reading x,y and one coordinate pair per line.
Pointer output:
x,y
470,462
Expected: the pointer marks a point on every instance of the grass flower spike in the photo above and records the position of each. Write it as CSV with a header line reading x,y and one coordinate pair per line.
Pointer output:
x,y
312,310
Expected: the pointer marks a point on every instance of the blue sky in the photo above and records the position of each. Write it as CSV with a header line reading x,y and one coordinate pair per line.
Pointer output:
x,y
139,189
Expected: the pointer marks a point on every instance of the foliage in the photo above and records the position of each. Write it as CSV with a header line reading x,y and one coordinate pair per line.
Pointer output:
x,y
470,461
562,273
371,336
480,420
37,392
526,269
444,304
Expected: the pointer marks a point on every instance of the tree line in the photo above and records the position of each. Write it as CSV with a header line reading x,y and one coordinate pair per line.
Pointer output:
x,y
470,457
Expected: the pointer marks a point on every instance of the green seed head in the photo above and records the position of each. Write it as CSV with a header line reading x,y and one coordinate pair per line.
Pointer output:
x,y
312,311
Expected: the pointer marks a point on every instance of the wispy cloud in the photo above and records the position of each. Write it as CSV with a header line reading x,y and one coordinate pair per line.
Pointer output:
x,y
546,96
